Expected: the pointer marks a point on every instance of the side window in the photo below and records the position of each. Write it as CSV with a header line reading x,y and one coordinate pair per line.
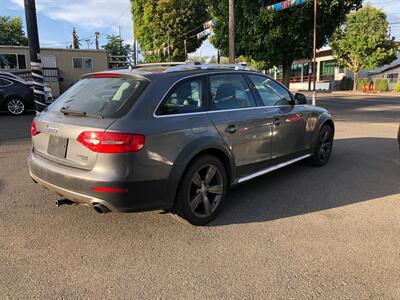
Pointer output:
x,y
185,98
230,91
271,93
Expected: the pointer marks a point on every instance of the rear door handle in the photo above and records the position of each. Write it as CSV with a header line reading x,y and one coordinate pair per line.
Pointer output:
x,y
231,129
277,121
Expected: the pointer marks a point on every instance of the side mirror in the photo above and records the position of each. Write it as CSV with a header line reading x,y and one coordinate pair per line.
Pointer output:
x,y
300,99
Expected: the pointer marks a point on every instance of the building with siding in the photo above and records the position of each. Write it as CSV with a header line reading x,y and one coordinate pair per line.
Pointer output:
x,y
328,74
391,72
61,67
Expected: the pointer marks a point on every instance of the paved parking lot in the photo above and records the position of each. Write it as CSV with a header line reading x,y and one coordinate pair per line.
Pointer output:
x,y
300,232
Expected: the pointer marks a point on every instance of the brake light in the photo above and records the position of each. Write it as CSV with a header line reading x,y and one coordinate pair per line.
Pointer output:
x,y
105,75
109,190
111,142
34,131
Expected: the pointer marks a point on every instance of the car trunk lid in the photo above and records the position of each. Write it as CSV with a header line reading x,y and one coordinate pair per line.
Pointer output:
x,y
57,136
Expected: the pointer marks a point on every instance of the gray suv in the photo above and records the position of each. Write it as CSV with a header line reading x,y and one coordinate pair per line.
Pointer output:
x,y
173,138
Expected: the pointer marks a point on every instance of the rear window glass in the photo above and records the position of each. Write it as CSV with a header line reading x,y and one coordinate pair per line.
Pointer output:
x,y
100,96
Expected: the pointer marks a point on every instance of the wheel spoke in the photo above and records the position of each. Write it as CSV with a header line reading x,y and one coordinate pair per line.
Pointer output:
x,y
210,174
207,205
196,201
197,180
216,189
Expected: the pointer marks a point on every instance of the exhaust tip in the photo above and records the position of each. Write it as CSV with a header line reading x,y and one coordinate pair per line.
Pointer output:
x,y
101,209
61,202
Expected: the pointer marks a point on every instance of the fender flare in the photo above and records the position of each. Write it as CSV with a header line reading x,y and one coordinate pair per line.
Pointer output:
x,y
189,153
324,119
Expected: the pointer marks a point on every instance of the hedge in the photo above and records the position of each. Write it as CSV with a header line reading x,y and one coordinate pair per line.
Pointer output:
x,y
346,84
381,85
361,82
397,86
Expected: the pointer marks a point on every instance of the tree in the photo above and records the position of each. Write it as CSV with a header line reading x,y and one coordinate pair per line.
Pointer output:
x,y
363,41
278,38
116,48
161,23
75,40
11,32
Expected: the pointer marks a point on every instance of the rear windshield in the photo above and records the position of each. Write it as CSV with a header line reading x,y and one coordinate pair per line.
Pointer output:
x,y
105,97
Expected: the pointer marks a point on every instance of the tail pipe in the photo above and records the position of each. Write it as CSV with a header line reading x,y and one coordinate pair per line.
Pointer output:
x,y
101,209
61,202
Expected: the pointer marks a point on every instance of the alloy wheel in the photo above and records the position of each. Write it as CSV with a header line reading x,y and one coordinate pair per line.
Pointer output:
x,y
325,144
206,191
15,106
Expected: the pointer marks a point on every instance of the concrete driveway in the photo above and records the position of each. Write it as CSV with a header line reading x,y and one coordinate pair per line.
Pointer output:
x,y
300,232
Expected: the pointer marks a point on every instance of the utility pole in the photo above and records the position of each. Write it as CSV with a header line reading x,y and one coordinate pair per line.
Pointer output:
x,y
134,43
231,31
119,32
184,44
169,44
315,53
97,39
34,53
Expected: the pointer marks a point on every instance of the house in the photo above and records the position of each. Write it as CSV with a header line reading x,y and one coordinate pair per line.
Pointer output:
x,y
328,75
61,67
391,72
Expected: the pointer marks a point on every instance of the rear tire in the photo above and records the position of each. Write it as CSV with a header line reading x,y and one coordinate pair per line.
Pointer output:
x,y
202,190
15,106
322,148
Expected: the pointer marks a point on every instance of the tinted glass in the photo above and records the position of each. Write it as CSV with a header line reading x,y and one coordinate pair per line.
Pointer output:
x,y
186,98
100,96
21,61
271,93
230,92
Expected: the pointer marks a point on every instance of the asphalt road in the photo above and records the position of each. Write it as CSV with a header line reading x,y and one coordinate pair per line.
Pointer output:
x,y
300,232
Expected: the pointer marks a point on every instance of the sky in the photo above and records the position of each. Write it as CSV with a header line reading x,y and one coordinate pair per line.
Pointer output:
x,y
56,18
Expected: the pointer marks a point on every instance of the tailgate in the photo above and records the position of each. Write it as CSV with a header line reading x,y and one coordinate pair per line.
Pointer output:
x,y
57,138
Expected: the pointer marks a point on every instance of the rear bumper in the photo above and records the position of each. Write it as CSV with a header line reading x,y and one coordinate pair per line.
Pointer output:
x,y
68,183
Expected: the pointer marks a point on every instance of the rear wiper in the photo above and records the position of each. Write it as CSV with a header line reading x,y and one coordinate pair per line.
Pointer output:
x,y
69,112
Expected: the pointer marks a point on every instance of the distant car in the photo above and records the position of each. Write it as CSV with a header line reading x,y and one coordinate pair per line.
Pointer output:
x,y
398,137
175,138
16,94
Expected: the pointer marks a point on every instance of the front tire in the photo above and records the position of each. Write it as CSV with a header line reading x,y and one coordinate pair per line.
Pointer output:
x,y
202,191
322,148
15,106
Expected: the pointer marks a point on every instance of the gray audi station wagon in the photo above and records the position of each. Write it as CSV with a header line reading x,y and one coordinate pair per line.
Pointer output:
x,y
173,138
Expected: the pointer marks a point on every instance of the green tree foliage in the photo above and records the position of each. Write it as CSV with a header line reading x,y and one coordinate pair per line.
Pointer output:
x,y
115,47
11,32
278,38
155,18
363,41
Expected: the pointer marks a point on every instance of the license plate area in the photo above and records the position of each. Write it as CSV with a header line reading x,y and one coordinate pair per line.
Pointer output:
x,y
57,146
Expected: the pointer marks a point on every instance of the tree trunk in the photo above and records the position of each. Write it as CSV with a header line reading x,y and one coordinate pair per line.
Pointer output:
x,y
286,70
355,76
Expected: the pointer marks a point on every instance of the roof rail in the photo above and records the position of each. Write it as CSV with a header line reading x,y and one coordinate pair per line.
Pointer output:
x,y
184,67
162,64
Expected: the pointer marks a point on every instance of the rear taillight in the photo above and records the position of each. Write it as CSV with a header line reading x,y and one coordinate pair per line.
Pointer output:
x,y
111,142
34,130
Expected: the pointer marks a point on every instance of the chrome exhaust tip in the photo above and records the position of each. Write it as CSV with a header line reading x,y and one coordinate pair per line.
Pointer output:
x,y
61,202
101,209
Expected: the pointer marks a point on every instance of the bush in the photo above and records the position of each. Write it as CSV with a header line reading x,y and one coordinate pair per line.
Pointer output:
x,y
397,87
346,84
361,82
381,85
